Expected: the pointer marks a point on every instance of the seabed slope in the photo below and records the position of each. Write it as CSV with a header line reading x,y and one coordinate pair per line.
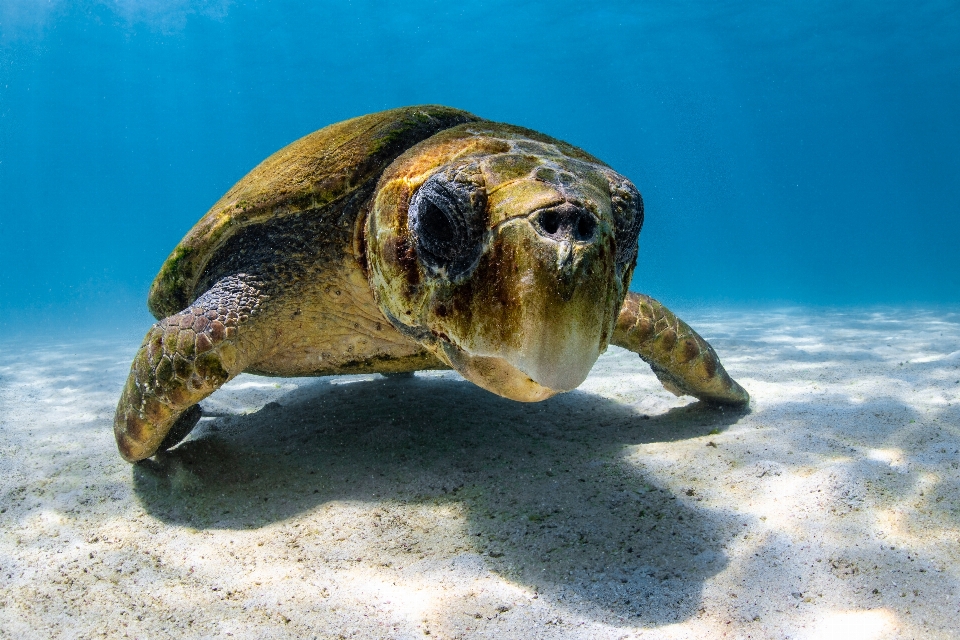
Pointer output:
x,y
369,507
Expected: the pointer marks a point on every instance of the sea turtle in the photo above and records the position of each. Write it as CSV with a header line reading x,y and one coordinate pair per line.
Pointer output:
x,y
417,238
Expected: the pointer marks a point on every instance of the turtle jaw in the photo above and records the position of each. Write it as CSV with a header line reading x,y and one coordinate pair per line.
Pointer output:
x,y
495,374
535,314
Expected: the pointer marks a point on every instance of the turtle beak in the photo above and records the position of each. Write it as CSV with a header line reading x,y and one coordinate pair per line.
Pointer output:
x,y
539,310
496,374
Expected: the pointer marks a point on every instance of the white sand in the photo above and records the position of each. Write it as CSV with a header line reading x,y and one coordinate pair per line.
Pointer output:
x,y
368,507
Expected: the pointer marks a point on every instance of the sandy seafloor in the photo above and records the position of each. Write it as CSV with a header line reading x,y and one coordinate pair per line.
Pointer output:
x,y
367,507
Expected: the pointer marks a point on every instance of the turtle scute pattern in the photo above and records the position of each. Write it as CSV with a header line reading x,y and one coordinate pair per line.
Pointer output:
x,y
183,359
683,361
311,174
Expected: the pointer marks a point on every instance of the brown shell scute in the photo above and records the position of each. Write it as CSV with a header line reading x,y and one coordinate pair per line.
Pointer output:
x,y
310,173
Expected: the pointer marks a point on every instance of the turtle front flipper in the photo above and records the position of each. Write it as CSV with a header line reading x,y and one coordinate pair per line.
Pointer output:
x,y
683,361
183,359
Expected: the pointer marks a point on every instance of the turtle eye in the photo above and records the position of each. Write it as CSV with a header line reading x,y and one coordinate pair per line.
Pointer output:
x,y
436,230
445,225
627,208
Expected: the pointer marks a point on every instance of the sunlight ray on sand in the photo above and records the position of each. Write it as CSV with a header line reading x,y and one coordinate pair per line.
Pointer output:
x,y
397,506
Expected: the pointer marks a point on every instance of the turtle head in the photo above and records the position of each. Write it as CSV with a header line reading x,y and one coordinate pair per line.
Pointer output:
x,y
506,253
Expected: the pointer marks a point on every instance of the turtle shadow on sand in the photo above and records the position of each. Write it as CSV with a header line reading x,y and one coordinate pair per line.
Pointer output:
x,y
548,499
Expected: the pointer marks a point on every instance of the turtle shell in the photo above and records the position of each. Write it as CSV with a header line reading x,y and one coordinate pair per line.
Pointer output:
x,y
315,172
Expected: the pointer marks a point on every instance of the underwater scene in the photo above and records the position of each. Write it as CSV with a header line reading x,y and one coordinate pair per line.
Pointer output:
x,y
479,320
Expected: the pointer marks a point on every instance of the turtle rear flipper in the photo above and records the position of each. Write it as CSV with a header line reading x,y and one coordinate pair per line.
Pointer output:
x,y
683,361
183,359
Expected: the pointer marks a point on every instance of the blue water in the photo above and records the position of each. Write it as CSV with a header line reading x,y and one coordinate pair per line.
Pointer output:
x,y
791,152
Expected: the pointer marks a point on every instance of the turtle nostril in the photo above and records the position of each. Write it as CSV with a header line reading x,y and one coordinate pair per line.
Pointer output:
x,y
566,223
586,225
550,221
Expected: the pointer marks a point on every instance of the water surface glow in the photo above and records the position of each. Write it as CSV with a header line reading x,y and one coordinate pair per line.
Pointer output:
x,y
797,152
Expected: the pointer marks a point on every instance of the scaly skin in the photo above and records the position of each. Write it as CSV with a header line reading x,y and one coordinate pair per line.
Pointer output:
x,y
683,361
183,359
